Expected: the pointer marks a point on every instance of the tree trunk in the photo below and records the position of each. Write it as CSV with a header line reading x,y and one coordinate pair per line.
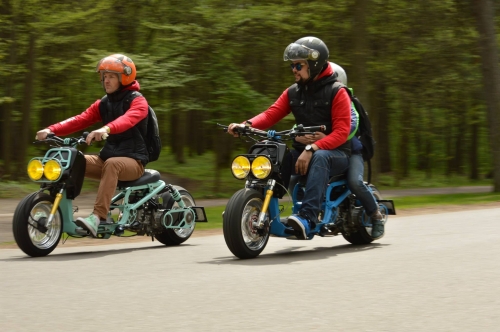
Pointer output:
x,y
360,52
473,157
484,11
404,143
8,34
379,119
26,134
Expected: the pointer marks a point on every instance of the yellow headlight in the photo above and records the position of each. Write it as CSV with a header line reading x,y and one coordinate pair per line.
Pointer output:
x,y
52,170
240,167
261,167
35,169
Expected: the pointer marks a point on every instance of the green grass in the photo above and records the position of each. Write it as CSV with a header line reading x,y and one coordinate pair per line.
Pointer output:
x,y
197,175
214,216
418,179
408,202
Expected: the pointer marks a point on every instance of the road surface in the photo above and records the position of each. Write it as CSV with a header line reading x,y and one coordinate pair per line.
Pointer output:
x,y
437,272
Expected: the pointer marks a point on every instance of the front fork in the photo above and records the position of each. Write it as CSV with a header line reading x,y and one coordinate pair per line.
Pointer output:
x,y
269,194
55,206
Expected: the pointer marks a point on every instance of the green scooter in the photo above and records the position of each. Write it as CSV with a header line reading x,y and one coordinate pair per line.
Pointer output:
x,y
147,206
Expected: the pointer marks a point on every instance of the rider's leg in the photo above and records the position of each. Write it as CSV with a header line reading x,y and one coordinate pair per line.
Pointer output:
x,y
109,172
360,189
114,169
324,163
358,186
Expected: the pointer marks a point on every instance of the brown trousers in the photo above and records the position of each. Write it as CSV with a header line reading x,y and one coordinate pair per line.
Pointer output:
x,y
109,172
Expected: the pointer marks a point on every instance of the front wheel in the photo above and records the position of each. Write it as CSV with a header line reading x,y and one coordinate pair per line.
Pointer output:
x,y
240,234
361,232
29,225
173,237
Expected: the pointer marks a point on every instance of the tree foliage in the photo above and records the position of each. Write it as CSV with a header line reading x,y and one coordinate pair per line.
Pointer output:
x,y
416,65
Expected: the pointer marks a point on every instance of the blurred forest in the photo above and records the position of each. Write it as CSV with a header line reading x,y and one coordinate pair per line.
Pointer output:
x,y
427,71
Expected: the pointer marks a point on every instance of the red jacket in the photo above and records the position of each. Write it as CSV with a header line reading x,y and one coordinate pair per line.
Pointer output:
x,y
341,116
138,111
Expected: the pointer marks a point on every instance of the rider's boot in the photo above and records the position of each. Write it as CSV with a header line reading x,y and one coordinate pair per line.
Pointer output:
x,y
90,223
300,225
377,224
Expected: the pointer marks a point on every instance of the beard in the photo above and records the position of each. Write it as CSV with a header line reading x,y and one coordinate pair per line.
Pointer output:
x,y
300,80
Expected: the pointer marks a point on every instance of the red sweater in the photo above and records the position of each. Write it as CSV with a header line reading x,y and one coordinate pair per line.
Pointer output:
x,y
138,110
341,116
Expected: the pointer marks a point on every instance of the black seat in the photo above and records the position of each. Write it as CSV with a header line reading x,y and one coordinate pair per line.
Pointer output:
x,y
149,176
337,177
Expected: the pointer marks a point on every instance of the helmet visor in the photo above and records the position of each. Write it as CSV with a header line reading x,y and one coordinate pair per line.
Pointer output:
x,y
294,52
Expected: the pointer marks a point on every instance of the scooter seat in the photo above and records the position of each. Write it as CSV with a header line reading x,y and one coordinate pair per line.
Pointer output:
x,y
149,176
337,177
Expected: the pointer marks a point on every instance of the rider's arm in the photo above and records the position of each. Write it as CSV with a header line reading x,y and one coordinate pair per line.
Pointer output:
x,y
341,122
273,114
78,122
138,111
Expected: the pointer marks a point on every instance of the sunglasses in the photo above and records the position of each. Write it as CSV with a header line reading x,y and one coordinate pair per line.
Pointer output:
x,y
297,66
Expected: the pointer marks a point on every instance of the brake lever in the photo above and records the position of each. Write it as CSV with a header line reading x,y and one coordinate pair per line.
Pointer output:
x,y
225,128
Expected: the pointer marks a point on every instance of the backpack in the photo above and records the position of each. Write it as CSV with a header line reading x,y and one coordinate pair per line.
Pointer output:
x,y
152,139
364,132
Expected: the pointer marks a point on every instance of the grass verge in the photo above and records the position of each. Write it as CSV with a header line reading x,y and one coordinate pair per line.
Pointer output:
x,y
409,202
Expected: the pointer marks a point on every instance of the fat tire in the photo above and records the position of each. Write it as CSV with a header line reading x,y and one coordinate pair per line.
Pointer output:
x,y
361,236
20,225
232,224
168,236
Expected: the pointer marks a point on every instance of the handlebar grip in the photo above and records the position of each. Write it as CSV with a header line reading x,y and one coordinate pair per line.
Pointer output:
x,y
240,129
317,128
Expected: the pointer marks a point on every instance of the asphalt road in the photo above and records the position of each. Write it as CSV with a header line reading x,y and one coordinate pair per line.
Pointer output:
x,y
435,272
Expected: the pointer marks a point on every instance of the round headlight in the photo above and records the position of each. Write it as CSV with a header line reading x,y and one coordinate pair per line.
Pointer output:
x,y
52,170
261,167
240,167
35,169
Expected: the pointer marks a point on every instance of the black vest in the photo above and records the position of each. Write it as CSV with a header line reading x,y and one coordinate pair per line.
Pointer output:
x,y
129,143
311,105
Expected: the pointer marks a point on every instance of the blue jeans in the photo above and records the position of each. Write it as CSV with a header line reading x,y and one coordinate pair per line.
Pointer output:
x,y
323,165
358,186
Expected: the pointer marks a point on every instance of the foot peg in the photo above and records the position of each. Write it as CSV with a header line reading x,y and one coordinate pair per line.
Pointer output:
x,y
81,231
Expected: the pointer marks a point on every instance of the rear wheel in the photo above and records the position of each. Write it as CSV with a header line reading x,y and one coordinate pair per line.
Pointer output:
x,y
29,225
172,237
240,234
361,231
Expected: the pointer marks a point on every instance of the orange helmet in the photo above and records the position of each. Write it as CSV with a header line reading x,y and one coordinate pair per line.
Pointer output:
x,y
120,64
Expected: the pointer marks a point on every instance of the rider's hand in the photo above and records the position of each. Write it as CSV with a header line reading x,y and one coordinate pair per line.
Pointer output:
x,y
310,139
317,136
231,127
304,160
42,134
98,135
